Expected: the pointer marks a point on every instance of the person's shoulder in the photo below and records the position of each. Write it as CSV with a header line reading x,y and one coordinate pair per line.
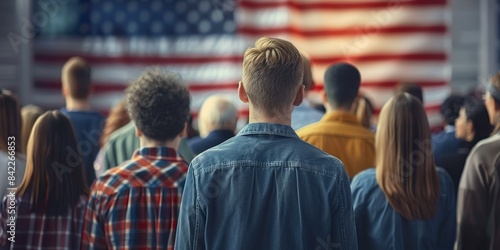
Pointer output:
x,y
122,133
212,155
310,129
365,132
115,179
364,183
486,145
366,176
486,150
444,176
97,115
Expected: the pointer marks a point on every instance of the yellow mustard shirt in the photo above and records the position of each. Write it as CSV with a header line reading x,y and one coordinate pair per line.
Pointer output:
x,y
342,135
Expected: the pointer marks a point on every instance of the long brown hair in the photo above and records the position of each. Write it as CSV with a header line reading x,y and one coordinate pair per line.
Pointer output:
x,y
117,118
405,167
54,176
10,120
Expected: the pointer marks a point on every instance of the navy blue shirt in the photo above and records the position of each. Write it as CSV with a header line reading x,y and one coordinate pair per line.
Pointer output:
x,y
214,138
445,143
88,127
379,226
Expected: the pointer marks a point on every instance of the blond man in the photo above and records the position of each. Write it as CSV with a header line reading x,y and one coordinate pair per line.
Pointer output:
x,y
265,188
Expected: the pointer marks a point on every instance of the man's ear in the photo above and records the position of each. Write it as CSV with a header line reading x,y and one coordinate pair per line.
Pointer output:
x,y
184,133
242,93
299,96
138,133
64,90
324,98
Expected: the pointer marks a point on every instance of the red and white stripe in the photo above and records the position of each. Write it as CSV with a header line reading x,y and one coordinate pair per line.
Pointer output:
x,y
388,40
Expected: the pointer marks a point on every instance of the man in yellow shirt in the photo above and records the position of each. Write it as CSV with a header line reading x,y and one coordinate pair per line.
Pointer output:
x,y
339,132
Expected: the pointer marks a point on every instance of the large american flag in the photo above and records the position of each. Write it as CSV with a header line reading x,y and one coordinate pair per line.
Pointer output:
x,y
204,40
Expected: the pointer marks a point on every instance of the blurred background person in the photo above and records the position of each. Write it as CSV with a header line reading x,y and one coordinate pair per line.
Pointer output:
x,y
29,114
478,206
306,113
191,131
50,202
216,123
405,202
10,138
88,124
339,132
411,88
471,126
446,142
363,109
117,118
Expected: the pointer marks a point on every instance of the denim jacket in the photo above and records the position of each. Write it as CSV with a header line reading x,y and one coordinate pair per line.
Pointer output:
x,y
266,189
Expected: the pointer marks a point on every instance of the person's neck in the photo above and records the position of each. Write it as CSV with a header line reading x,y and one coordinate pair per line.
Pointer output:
x,y
149,143
330,109
77,105
256,117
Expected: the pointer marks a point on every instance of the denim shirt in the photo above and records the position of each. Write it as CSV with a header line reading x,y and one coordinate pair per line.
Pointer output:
x,y
266,189
379,226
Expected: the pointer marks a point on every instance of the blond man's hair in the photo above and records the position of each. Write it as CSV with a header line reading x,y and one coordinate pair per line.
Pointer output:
x,y
405,168
76,78
272,74
307,79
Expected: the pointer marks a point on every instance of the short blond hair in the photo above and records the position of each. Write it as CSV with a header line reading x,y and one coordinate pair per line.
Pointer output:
x,y
272,74
76,78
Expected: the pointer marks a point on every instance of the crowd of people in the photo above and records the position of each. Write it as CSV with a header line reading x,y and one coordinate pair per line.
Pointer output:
x,y
295,177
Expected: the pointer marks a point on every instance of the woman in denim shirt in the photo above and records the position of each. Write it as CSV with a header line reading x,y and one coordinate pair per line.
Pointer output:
x,y
406,202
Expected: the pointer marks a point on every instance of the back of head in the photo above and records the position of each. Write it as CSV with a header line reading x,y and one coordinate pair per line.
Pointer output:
x,y
10,119
477,113
307,79
405,167
217,112
29,114
158,103
54,173
76,78
412,89
451,108
272,74
342,82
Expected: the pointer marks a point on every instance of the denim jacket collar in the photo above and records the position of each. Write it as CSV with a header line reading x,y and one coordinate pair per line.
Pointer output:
x,y
268,129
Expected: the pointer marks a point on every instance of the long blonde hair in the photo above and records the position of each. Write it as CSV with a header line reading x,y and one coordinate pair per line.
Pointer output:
x,y
363,109
405,167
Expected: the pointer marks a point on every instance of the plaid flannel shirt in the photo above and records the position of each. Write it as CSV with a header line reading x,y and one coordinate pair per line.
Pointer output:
x,y
40,231
136,205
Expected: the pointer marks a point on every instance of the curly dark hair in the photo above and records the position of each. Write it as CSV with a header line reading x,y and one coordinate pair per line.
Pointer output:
x,y
158,103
